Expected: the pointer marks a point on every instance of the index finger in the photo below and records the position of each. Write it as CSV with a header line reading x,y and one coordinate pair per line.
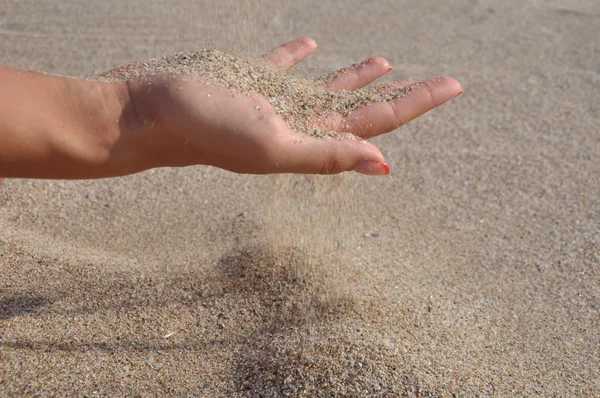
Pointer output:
x,y
381,117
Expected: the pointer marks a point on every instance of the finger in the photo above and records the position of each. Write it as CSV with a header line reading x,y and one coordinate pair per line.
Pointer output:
x,y
356,76
418,98
289,54
333,121
310,155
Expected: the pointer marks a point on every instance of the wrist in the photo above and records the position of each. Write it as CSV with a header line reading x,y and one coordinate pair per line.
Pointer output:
x,y
131,141
115,131
148,115
60,127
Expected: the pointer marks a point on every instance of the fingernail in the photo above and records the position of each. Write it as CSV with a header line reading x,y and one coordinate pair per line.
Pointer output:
x,y
461,91
371,168
391,68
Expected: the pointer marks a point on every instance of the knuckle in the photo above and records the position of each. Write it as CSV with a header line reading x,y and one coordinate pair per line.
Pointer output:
x,y
429,90
333,165
397,112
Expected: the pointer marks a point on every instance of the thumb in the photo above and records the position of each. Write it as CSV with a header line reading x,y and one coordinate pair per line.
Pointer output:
x,y
311,155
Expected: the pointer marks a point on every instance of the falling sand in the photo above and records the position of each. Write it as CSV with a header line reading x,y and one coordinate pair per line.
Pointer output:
x,y
300,269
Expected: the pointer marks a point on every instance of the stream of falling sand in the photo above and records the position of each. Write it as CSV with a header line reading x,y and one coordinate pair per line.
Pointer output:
x,y
309,215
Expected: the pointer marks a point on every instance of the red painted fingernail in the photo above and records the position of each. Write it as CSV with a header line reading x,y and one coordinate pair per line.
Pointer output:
x,y
370,168
391,68
386,167
461,91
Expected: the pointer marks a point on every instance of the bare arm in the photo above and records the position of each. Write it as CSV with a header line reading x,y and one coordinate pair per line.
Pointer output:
x,y
58,127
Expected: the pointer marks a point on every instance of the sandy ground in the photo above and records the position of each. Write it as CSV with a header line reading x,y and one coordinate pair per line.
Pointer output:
x,y
482,275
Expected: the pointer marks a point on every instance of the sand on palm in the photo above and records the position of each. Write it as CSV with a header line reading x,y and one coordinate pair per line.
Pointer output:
x,y
301,102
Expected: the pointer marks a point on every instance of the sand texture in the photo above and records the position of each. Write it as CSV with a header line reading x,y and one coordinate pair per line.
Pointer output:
x,y
472,270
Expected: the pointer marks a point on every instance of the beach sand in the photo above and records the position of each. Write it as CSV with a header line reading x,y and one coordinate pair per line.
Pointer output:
x,y
473,269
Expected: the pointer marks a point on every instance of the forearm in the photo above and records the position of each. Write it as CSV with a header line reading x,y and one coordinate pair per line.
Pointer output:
x,y
58,127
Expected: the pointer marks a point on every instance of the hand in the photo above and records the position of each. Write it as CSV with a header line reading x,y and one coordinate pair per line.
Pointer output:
x,y
202,123
59,127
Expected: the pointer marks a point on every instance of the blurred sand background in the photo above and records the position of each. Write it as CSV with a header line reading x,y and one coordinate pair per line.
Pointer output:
x,y
482,272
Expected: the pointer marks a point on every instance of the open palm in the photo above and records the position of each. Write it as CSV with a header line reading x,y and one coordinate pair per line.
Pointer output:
x,y
204,123
243,133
